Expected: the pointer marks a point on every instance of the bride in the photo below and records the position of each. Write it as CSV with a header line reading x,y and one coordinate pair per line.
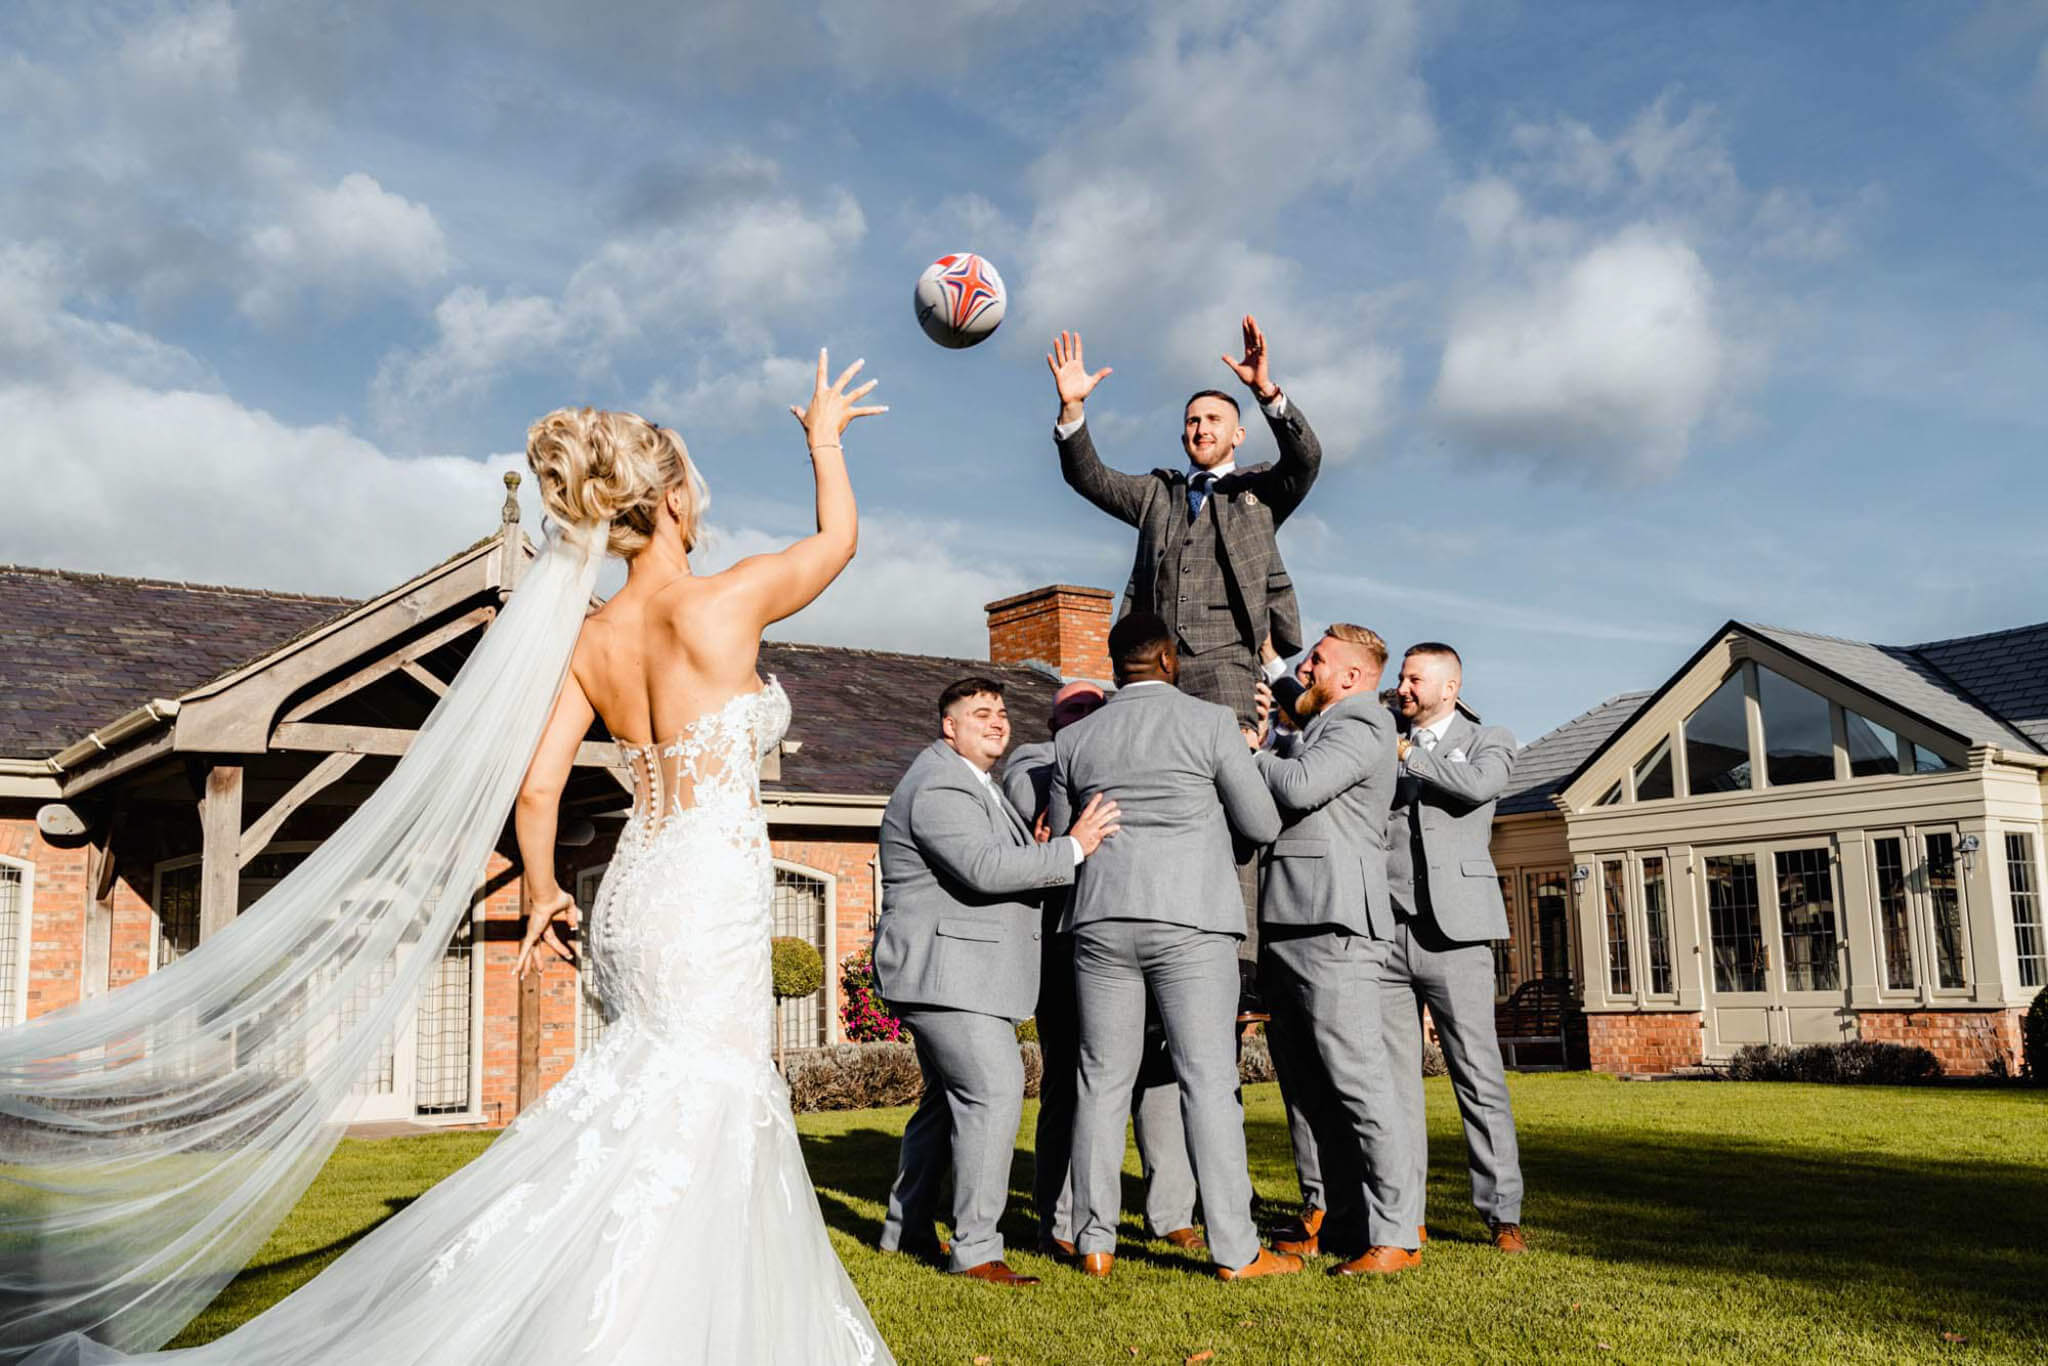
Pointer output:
x,y
654,1206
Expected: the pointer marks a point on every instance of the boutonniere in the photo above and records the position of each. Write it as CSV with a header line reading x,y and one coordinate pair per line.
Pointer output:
x,y
1251,500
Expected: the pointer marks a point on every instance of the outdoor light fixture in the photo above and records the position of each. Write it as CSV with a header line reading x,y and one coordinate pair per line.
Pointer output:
x,y
1580,872
1968,846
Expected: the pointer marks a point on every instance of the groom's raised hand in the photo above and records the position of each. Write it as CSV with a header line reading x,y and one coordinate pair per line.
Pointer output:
x,y
1254,370
1070,375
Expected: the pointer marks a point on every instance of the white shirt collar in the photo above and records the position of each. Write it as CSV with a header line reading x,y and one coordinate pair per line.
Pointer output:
x,y
1218,470
1145,683
986,777
1441,724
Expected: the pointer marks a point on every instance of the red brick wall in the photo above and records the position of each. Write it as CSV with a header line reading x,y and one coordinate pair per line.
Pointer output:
x,y
57,919
1965,1041
1063,626
1643,1044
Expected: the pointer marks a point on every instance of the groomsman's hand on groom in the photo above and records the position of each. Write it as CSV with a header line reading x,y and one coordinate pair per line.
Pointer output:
x,y
1096,823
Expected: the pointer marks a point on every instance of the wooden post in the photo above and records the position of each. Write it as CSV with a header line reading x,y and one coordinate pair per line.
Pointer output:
x,y
96,962
220,846
529,1022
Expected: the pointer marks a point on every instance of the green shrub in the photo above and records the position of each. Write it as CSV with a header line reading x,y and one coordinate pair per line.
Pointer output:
x,y
797,968
1027,1030
2034,1040
1860,1063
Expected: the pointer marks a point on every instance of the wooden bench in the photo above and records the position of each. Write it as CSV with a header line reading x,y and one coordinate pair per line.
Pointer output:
x,y
1536,1015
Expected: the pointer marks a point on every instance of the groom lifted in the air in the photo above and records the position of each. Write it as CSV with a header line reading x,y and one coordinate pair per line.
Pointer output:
x,y
1207,561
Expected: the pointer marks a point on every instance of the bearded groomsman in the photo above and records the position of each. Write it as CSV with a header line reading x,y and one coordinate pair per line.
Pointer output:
x,y
956,956
1447,907
1157,913
1326,930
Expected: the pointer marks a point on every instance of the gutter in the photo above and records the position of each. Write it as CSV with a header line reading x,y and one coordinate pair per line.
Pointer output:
x,y
146,717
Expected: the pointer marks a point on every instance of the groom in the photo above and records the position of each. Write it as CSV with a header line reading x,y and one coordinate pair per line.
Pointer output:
x,y
956,956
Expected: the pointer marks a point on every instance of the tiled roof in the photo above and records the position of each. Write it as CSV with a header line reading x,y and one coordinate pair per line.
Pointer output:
x,y
1906,679
863,715
79,650
2006,670
1543,765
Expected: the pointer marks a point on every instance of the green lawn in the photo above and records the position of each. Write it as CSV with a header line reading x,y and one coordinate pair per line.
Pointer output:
x,y
1702,1221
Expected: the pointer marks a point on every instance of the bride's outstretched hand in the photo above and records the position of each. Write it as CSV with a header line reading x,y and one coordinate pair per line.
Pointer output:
x,y
540,929
832,407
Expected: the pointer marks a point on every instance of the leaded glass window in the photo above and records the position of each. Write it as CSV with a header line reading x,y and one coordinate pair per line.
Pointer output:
x,y
1945,898
800,904
1657,926
2026,909
13,906
177,913
1614,895
1893,916
1806,920
1735,922
1717,741
1549,903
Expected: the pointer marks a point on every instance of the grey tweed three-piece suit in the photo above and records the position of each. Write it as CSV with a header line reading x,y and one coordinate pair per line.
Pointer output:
x,y
957,948
1216,576
1156,910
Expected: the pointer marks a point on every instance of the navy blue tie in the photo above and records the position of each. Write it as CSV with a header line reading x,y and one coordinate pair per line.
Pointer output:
x,y
1198,492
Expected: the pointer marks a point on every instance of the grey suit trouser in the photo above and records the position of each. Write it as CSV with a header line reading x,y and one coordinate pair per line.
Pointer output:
x,y
1192,977
967,1120
1323,987
1155,1111
1455,980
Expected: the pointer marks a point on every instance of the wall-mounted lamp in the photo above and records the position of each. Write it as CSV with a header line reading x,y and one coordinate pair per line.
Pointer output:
x,y
1968,846
1580,872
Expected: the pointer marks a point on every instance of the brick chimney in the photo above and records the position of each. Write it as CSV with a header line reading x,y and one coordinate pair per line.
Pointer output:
x,y
1062,627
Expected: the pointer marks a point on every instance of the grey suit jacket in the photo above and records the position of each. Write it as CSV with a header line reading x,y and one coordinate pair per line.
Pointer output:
x,y
1448,796
1027,778
962,881
1333,784
1251,504
1183,780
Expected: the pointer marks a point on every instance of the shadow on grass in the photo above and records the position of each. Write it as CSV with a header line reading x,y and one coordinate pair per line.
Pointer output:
x,y
1967,1231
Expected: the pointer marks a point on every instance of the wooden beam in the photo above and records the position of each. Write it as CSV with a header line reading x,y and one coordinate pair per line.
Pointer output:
x,y
220,838
322,738
258,836
422,675
403,658
96,959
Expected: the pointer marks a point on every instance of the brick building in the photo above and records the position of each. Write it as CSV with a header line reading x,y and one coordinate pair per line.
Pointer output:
x,y
169,751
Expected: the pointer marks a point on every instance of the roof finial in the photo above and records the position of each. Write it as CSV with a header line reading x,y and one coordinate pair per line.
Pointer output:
x,y
509,514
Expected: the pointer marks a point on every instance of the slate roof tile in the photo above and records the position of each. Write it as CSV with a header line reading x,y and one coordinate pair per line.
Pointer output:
x,y
1543,765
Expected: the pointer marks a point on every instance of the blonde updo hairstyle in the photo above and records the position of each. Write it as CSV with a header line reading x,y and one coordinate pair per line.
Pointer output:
x,y
612,467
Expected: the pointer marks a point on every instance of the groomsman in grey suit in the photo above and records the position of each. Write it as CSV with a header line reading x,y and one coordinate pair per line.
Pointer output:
x,y
1448,906
1326,931
956,956
1158,910
1155,1107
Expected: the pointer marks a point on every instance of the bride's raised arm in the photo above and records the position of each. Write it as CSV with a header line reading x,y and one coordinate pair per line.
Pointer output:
x,y
786,582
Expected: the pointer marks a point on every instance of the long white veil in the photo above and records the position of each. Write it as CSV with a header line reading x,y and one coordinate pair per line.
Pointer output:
x,y
151,1138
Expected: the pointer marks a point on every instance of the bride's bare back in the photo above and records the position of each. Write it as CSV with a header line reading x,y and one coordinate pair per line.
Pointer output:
x,y
672,647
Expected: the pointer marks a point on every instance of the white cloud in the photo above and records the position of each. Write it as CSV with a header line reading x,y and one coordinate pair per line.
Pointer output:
x,y
1149,210
198,50
731,399
1610,362
341,242
476,339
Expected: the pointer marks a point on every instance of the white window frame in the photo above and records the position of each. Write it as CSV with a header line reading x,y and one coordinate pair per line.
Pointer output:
x,y
2032,834
23,938
828,992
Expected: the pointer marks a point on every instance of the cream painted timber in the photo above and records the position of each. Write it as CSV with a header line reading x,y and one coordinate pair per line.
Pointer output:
x,y
1616,763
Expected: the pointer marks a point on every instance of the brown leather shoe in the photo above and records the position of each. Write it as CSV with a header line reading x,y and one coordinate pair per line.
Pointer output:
x,y
1187,1240
1059,1249
1508,1238
1300,1238
1379,1261
1097,1264
1267,1263
996,1273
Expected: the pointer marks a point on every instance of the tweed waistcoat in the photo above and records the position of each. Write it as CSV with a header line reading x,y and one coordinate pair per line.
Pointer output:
x,y
1191,589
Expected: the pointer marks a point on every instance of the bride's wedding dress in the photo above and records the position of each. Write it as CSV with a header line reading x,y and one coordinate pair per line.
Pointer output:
x,y
654,1205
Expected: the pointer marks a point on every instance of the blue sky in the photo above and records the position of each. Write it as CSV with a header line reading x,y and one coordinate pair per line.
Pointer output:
x,y
1616,320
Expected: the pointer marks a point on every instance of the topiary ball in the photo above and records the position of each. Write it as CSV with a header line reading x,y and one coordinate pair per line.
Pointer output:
x,y
797,968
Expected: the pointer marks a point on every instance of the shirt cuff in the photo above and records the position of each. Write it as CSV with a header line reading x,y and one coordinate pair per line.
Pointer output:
x,y
1274,671
1277,408
1080,855
1062,430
